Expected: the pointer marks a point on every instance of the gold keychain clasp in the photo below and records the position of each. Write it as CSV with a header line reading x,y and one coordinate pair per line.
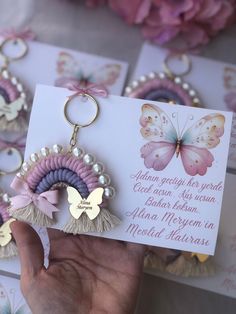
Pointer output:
x,y
77,126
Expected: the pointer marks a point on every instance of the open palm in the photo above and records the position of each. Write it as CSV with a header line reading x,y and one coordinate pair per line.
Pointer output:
x,y
85,274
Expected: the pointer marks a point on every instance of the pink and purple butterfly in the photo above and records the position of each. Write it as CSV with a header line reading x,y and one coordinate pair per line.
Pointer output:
x,y
69,68
165,141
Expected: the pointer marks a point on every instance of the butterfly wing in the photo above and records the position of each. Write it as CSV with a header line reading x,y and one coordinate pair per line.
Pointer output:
x,y
157,155
206,132
196,160
23,309
95,199
5,306
74,198
106,75
156,125
5,232
203,135
66,65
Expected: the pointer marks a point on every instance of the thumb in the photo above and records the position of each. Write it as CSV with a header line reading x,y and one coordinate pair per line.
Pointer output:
x,y
30,248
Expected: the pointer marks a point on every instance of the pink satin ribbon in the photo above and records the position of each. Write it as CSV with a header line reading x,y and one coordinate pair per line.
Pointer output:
x,y
12,33
91,89
42,201
18,144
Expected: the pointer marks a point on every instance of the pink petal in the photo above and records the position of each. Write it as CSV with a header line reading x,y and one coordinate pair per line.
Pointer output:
x,y
209,8
160,35
171,11
134,12
194,35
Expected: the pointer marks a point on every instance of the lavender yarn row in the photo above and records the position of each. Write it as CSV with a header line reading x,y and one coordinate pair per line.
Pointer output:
x,y
63,175
163,95
4,94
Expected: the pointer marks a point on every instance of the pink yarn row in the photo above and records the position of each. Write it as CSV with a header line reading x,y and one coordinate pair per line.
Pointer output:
x,y
54,162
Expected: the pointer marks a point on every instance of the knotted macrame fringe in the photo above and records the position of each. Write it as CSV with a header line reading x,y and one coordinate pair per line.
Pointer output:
x,y
105,221
18,124
8,250
181,266
31,214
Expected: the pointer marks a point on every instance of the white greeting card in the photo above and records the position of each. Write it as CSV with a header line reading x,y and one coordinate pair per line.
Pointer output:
x,y
11,299
215,84
172,207
214,81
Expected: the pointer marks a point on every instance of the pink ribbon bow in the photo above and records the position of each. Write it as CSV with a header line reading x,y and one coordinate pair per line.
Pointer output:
x,y
75,85
42,201
12,33
18,144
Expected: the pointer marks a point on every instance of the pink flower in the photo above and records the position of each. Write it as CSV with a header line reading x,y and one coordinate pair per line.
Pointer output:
x,y
133,11
190,22
95,3
193,22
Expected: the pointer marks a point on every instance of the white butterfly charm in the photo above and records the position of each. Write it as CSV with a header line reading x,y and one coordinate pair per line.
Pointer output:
x,y
5,232
79,205
192,145
11,110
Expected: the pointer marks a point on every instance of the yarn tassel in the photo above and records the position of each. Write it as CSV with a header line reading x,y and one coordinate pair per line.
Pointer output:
x,y
105,221
181,266
31,214
15,125
8,250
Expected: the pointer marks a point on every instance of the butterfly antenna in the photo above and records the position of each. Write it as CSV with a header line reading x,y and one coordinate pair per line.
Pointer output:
x,y
175,116
190,117
177,119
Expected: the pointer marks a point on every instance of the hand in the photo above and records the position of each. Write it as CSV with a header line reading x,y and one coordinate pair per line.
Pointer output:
x,y
86,274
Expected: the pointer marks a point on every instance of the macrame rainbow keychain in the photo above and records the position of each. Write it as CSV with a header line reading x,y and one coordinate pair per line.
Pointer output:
x,y
88,187
166,86
14,98
7,244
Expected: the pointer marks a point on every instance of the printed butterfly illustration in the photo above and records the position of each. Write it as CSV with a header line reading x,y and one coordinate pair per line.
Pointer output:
x,y
7,305
5,233
79,205
192,145
10,110
69,67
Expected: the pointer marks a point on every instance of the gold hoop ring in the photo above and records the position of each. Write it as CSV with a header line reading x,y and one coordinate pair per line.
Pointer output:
x,y
92,99
18,56
4,172
172,56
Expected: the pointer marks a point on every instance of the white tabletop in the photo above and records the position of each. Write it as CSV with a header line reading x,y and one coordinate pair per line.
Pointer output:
x,y
69,24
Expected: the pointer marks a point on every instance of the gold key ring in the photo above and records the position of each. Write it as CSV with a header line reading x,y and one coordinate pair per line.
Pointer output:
x,y
68,101
183,57
21,53
18,166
